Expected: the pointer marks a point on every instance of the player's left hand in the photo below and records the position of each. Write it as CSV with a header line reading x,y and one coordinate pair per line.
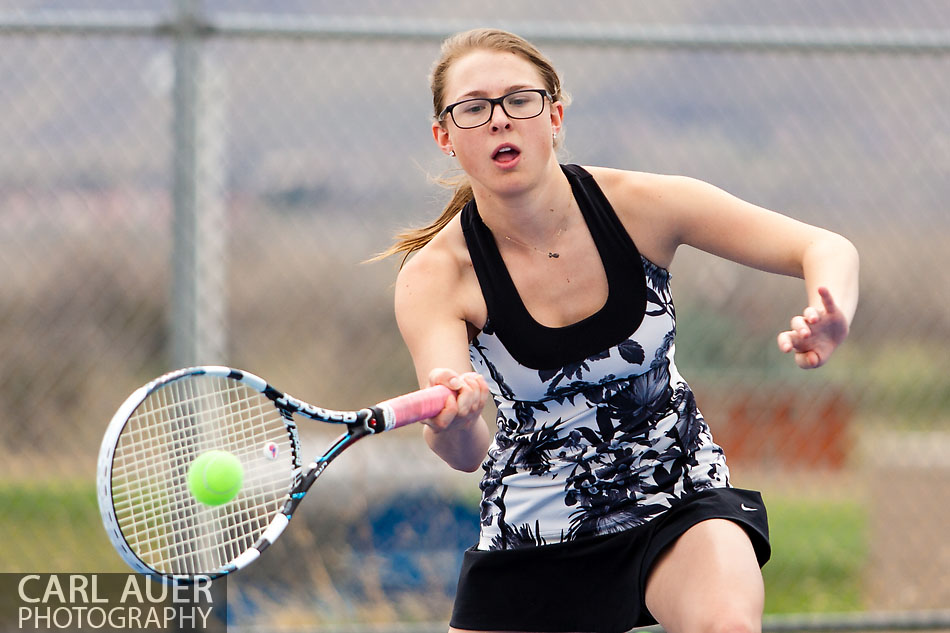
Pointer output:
x,y
815,333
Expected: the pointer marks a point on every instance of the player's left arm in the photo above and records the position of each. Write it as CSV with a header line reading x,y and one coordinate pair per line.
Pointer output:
x,y
703,216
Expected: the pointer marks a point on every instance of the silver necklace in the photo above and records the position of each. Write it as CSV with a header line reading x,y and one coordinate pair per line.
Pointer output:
x,y
551,254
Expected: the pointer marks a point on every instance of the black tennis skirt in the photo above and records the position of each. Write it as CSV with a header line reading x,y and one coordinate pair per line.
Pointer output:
x,y
594,584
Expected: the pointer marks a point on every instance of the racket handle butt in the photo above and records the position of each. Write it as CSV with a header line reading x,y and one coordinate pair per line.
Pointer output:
x,y
418,405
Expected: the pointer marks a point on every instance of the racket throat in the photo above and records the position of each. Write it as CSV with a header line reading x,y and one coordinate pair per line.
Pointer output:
x,y
355,431
315,470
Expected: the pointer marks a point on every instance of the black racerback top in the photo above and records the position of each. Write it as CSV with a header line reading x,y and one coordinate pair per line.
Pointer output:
x,y
541,347
597,431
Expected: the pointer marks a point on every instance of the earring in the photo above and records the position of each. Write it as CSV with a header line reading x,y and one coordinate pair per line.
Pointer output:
x,y
452,153
555,136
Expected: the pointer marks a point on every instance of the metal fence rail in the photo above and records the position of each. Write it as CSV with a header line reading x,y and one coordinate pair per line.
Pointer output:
x,y
323,28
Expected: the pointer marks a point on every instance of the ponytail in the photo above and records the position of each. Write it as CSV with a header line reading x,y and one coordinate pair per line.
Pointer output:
x,y
411,240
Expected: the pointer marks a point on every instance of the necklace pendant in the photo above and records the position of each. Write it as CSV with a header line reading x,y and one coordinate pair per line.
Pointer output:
x,y
554,255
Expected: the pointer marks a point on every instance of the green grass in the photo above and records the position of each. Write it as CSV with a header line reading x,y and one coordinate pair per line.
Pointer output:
x,y
818,547
49,527
818,553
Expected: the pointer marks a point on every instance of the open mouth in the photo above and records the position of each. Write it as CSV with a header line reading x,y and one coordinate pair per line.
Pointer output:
x,y
505,154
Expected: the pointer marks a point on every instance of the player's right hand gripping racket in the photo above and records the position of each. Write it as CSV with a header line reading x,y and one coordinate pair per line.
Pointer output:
x,y
150,514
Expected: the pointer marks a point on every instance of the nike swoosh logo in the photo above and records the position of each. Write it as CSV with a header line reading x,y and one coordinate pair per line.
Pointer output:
x,y
747,508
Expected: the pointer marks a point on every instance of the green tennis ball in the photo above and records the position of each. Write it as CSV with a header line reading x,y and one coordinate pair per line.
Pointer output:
x,y
215,477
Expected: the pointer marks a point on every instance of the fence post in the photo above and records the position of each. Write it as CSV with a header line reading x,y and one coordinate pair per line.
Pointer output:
x,y
198,317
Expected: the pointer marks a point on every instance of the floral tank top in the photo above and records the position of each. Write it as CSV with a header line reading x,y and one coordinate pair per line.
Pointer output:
x,y
597,430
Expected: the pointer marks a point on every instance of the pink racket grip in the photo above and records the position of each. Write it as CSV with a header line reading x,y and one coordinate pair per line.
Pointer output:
x,y
415,406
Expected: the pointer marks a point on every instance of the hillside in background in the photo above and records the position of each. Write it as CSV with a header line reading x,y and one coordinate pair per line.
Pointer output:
x,y
317,126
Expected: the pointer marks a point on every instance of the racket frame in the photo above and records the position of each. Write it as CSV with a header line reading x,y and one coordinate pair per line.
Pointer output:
x,y
382,417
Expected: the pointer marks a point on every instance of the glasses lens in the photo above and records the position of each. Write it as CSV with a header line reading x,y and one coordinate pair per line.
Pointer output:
x,y
472,113
524,105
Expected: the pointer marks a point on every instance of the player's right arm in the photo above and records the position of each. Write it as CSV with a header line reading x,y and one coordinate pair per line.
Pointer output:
x,y
431,312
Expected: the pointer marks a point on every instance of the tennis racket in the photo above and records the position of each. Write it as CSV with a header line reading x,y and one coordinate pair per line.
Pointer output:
x,y
151,517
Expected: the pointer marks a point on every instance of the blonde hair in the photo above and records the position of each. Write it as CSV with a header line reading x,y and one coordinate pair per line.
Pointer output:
x,y
453,48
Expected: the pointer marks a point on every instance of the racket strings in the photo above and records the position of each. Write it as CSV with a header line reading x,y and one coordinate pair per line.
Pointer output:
x,y
160,519
193,542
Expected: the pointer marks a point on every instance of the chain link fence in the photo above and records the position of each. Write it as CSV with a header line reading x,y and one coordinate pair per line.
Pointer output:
x,y
202,184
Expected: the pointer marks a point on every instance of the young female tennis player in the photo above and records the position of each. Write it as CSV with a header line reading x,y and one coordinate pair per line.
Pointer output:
x,y
606,503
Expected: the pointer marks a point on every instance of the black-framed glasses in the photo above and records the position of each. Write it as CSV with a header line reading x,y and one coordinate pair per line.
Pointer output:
x,y
520,104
